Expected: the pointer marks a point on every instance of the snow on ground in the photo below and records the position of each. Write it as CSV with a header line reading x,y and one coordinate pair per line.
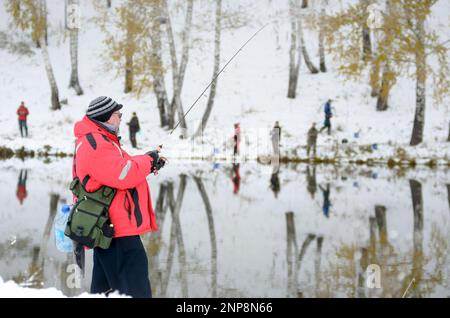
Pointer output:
x,y
10,289
252,91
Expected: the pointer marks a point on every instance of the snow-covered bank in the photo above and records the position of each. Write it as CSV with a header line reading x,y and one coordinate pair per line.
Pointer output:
x,y
10,289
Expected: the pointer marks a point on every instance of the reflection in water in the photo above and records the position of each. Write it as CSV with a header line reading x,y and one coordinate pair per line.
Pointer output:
x,y
326,200
213,243
275,181
311,181
21,192
236,178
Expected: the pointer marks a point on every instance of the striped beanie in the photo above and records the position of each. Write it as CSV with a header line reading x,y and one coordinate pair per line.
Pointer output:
x,y
101,108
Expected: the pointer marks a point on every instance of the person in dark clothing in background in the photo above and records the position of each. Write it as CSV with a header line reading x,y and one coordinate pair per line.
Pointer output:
x,y
134,129
236,139
312,140
328,115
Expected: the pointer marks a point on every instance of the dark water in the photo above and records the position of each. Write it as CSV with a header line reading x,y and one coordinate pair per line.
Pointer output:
x,y
241,231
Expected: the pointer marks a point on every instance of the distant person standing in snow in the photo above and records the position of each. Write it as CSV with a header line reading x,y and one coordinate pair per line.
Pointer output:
x,y
276,137
23,112
236,138
312,140
134,128
328,115
21,192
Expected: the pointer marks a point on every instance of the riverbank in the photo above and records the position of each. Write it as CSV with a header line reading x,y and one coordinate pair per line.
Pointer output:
x,y
402,159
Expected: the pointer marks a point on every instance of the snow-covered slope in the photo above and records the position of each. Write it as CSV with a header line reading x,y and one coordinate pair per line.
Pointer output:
x,y
252,91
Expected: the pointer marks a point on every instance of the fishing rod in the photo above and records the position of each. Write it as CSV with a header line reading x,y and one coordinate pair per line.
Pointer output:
x,y
159,147
217,75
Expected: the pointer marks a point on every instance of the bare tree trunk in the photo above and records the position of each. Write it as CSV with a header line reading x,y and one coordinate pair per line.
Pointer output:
x,y
51,77
175,207
417,201
291,254
74,80
386,85
317,262
323,67
54,198
213,88
178,85
304,4
421,76
159,85
294,66
385,49
108,3
448,138
179,235
176,102
173,57
380,214
128,56
44,13
212,234
375,75
306,57
367,45
448,194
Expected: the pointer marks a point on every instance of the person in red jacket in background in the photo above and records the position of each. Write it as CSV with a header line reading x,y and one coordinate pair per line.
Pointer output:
x,y
23,112
236,138
100,160
21,192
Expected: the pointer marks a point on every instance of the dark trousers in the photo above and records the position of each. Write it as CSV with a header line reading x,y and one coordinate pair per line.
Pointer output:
x,y
23,128
123,267
326,126
311,145
133,139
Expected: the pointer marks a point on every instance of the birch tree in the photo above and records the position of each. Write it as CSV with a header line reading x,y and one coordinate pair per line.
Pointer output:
x,y
178,72
27,15
322,65
388,77
294,61
213,88
304,51
156,63
73,33
405,43
366,41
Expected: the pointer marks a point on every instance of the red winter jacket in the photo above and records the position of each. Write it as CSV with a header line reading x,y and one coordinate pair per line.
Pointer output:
x,y
22,111
99,160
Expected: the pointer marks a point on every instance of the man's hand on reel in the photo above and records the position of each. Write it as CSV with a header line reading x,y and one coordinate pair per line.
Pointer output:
x,y
158,161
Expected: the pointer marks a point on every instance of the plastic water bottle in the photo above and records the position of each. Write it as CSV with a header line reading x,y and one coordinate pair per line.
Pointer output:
x,y
63,243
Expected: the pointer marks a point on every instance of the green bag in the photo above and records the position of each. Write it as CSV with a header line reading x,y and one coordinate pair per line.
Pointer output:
x,y
88,222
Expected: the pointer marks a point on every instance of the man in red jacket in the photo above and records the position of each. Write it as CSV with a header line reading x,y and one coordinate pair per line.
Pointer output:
x,y
23,112
100,160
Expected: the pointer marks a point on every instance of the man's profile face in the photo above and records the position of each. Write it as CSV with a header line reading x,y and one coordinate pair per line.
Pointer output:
x,y
115,119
